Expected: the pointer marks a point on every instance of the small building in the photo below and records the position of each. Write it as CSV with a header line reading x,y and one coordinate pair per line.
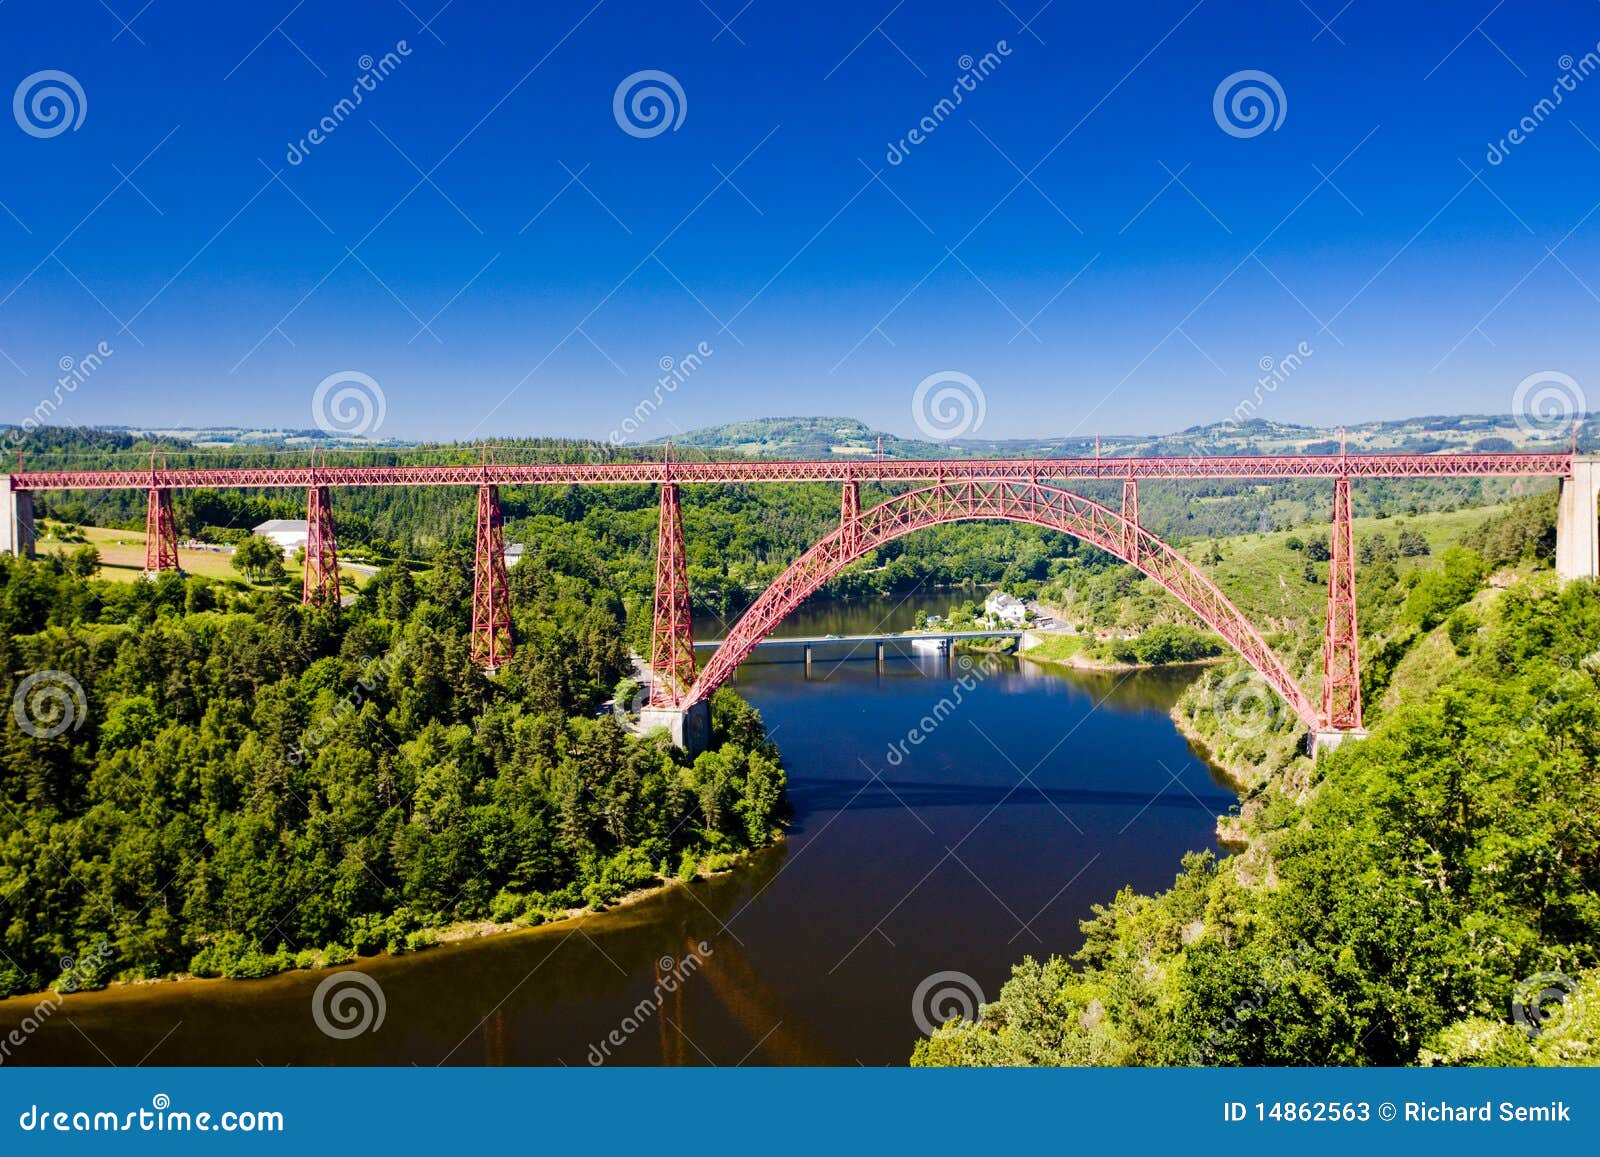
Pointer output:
x,y
1002,606
514,551
289,533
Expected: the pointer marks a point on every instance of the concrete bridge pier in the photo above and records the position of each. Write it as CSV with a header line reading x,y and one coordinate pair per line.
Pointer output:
x,y
16,519
1577,538
689,727
1329,738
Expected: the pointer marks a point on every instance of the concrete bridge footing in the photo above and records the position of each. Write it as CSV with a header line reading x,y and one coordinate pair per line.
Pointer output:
x,y
1577,536
1329,739
16,520
689,727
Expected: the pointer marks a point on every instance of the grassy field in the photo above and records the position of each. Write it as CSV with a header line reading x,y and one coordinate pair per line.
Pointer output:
x,y
122,556
1057,648
1264,577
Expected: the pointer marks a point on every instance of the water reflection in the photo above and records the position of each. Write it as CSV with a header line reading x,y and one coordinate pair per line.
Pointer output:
x,y
992,837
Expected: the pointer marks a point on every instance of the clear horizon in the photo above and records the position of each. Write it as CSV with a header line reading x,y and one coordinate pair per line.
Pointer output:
x,y
953,218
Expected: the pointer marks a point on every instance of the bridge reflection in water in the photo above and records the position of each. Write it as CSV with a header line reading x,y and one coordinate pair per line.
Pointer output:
x,y
815,947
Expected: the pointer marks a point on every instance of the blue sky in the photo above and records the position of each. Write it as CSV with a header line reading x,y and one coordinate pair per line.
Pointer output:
x,y
1080,237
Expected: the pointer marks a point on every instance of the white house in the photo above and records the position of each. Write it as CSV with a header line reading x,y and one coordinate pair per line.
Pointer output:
x,y
289,533
1002,606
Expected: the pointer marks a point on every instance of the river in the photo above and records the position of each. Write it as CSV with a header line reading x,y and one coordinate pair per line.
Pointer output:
x,y
931,864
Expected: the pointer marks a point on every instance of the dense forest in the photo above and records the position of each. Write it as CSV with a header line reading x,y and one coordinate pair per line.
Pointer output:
x,y
1428,895
215,779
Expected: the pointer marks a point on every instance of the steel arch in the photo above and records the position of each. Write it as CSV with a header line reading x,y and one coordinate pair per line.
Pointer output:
x,y
1012,501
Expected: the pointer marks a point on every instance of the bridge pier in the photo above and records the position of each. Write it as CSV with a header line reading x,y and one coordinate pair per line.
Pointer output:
x,y
689,727
808,660
1577,540
16,519
672,632
1341,664
160,533
321,581
491,602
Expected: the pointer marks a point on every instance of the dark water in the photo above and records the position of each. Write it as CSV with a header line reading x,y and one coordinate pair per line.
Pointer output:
x,y
1034,794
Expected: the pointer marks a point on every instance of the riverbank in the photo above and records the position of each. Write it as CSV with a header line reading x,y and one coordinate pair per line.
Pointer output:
x,y
459,932
1234,830
790,976
1064,650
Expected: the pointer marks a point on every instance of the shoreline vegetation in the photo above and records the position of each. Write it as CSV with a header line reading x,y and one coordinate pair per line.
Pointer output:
x,y
212,780
1414,898
458,932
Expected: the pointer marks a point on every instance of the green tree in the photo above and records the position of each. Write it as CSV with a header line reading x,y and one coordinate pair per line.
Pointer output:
x,y
1412,543
259,559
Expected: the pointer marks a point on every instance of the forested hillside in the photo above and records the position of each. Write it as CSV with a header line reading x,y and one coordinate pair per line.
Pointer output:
x,y
1422,896
215,779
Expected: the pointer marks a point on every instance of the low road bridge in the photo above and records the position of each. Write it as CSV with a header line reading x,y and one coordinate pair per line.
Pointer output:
x,y
942,641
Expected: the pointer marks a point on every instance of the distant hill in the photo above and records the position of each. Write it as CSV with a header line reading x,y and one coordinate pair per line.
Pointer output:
x,y
801,437
849,438
241,436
